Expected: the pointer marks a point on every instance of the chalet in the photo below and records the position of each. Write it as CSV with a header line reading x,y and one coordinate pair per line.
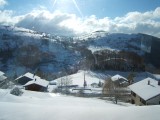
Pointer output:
x,y
23,79
37,85
32,82
2,78
119,80
145,92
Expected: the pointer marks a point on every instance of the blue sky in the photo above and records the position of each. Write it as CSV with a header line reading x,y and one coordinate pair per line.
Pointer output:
x,y
83,16
100,8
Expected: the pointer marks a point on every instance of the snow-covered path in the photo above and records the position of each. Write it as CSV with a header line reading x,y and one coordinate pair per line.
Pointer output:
x,y
44,106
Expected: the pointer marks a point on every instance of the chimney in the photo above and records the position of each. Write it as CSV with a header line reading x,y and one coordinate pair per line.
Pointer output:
x,y
148,82
159,82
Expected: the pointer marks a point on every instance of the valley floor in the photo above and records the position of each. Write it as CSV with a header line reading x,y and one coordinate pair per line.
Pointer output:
x,y
50,106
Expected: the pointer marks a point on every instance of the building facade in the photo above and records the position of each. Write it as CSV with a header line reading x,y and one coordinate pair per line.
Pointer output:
x,y
145,92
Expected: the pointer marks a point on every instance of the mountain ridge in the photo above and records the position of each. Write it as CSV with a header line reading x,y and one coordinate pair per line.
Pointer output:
x,y
23,50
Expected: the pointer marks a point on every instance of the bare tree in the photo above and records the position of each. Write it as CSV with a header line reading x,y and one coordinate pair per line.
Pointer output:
x,y
108,86
131,77
64,83
100,84
112,90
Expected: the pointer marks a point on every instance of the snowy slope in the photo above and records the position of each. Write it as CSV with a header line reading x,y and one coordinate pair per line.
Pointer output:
x,y
42,51
23,50
90,77
95,77
44,106
114,42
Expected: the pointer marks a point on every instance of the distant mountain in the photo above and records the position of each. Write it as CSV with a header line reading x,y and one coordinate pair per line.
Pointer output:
x,y
145,46
23,50
115,42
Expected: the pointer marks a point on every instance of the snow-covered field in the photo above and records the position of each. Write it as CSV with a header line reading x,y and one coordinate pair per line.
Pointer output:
x,y
90,77
95,77
49,106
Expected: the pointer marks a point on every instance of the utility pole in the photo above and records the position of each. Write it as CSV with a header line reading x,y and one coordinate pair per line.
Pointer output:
x,y
84,84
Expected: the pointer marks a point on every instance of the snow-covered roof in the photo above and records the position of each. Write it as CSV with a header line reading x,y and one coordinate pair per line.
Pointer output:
x,y
29,75
53,82
1,73
156,76
34,80
2,78
144,90
32,76
117,77
40,82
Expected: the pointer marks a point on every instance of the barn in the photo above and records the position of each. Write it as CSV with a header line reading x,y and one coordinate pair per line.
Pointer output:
x,y
40,85
23,79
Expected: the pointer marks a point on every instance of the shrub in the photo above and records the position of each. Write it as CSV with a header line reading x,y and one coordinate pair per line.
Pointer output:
x,y
16,91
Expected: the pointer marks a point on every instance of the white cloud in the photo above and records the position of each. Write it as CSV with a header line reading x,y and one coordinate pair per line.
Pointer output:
x,y
156,13
7,18
2,3
147,22
43,20
69,24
